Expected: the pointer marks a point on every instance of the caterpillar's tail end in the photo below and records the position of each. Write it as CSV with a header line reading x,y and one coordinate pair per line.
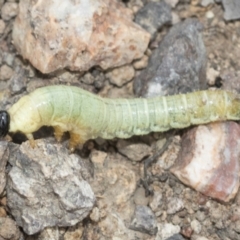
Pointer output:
x,y
4,123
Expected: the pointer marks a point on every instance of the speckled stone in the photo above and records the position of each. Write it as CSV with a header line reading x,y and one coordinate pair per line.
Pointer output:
x,y
208,160
77,34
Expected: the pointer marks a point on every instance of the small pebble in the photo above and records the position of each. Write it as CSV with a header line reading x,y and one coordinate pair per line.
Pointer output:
x,y
209,14
144,220
98,157
157,200
172,3
122,75
142,63
5,72
3,212
187,231
196,226
9,10
205,3
95,216
175,205
140,198
134,151
166,230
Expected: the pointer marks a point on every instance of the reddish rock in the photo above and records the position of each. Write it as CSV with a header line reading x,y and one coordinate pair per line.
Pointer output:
x,y
208,160
77,34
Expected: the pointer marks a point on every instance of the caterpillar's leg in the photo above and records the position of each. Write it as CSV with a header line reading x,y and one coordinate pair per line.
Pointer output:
x,y
31,140
58,133
75,140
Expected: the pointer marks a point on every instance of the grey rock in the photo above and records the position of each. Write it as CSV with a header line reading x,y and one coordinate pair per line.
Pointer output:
x,y
205,3
232,9
153,16
144,220
18,80
176,237
45,187
178,65
4,155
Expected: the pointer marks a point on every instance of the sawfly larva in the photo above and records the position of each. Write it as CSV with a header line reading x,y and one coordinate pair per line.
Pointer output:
x,y
87,116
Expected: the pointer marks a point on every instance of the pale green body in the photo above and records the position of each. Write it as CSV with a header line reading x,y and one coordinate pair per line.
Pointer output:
x,y
90,116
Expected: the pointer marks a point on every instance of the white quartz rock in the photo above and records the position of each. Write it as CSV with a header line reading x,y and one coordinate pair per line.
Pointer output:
x,y
77,34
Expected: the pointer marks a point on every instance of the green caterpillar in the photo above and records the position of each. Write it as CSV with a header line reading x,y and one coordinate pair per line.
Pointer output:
x,y
87,116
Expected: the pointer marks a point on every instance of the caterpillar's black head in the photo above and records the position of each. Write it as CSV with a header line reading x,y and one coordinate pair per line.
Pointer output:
x,y
4,123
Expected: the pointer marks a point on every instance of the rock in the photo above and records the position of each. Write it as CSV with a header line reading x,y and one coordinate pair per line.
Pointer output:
x,y
18,80
9,58
9,10
175,205
157,200
3,212
123,92
205,3
122,75
187,232
5,72
98,158
134,151
166,230
4,155
95,215
209,14
208,160
230,80
77,34
141,63
231,9
1,3
46,188
167,159
212,74
178,65
74,233
237,226
196,226
172,3
201,216
47,234
115,183
176,237
115,175
144,220
140,197
153,16
87,78
201,238
8,229
2,26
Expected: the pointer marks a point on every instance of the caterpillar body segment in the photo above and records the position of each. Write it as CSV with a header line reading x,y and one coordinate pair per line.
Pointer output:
x,y
87,116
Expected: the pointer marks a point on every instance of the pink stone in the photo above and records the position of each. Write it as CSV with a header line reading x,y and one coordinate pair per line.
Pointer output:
x,y
209,160
77,34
